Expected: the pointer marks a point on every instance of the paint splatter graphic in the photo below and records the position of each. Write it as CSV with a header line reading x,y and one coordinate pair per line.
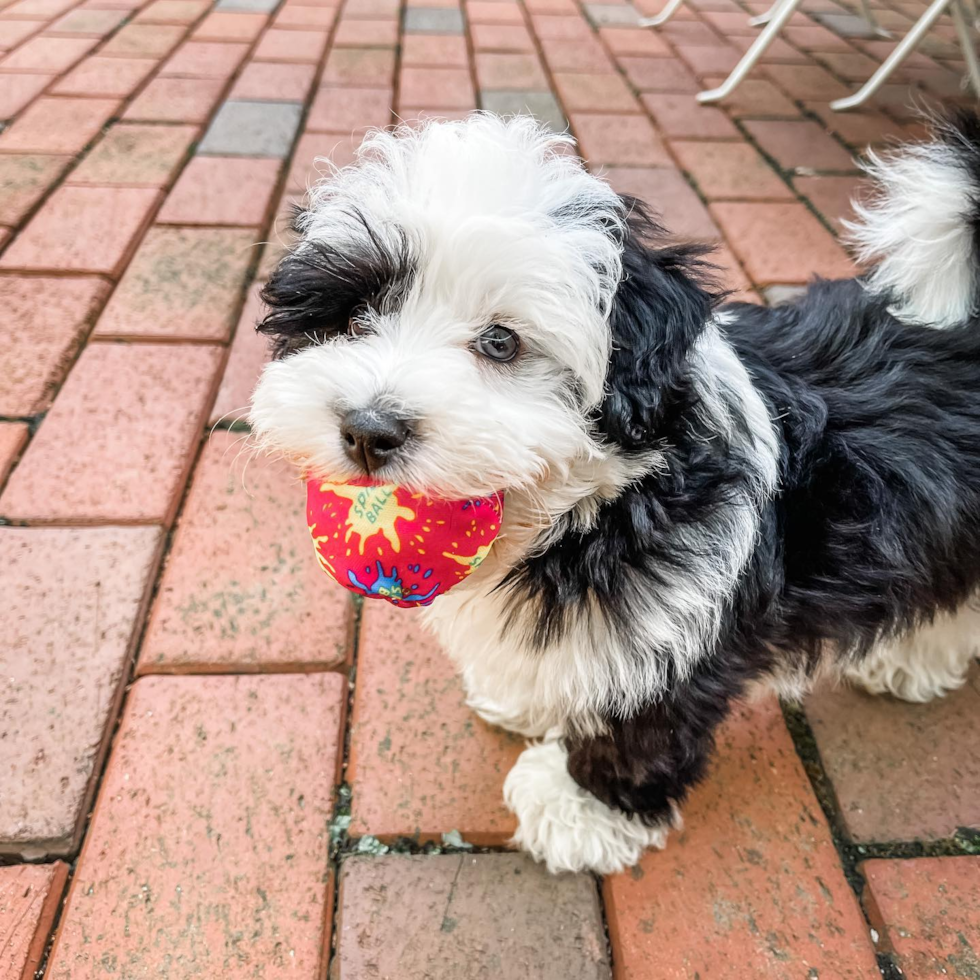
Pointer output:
x,y
383,542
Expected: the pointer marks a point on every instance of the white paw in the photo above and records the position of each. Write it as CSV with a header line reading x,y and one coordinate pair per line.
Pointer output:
x,y
565,826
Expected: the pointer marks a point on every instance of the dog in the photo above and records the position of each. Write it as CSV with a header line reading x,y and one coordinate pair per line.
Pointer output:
x,y
701,497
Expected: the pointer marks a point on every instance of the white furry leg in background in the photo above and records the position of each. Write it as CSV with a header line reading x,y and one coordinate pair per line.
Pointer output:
x,y
927,664
566,827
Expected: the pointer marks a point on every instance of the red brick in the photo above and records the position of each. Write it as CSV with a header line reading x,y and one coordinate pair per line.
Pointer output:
x,y
281,239
729,170
551,6
205,59
128,447
171,12
299,17
57,125
850,65
476,916
426,50
755,98
182,284
806,81
48,55
366,33
106,221
45,9
581,56
927,912
176,100
30,896
268,81
899,770
24,181
302,46
499,37
732,276
558,27
222,191
438,88
365,67
671,197
508,71
136,154
346,110
143,41
421,762
832,196
779,52
97,23
489,12
12,32
659,74
115,77
307,167
414,115
799,144
814,37
18,90
371,9
618,139
223,25
709,59
752,886
53,317
690,32
681,116
730,23
858,128
242,589
75,600
781,243
595,93
13,438
234,879
248,355
634,40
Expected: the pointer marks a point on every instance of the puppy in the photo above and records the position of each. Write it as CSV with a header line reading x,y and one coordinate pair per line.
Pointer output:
x,y
699,497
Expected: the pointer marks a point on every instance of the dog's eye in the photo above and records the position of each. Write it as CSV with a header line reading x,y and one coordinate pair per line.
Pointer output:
x,y
498,343
356,327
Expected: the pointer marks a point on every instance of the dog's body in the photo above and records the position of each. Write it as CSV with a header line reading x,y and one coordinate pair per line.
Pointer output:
x,y
698,499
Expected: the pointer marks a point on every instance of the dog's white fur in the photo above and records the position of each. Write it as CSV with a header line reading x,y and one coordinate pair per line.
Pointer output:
x,y
914,228
477,203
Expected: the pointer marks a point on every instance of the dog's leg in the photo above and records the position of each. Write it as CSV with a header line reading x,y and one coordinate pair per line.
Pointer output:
x,y
924,665
564,825
596,801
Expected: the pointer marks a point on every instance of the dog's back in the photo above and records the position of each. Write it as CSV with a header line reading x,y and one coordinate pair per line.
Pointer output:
x,y
875,386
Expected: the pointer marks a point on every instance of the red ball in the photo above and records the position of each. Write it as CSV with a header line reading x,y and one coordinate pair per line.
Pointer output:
x,y
384,542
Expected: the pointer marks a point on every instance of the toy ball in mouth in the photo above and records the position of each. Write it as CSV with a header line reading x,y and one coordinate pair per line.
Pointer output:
x,y
385,542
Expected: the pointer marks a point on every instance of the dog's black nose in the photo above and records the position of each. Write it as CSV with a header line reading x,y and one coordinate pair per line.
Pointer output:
x,y
371,438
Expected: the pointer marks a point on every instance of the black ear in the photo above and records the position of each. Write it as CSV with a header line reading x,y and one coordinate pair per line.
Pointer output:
x,y
663,302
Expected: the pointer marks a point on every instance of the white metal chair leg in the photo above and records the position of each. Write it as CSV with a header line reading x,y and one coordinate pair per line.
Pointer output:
x,y
760,20
869,16
902,50
669,10
967,44
786,10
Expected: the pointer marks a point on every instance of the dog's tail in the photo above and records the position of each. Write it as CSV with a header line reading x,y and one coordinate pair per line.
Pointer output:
x,y
922,225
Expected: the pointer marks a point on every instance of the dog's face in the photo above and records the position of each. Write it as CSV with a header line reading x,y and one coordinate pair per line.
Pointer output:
x,y
443,323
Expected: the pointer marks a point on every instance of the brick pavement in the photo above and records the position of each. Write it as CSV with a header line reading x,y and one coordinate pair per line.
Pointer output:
x,y
211,822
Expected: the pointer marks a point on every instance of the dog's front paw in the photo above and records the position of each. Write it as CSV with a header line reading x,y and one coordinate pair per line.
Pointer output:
x,y
567,827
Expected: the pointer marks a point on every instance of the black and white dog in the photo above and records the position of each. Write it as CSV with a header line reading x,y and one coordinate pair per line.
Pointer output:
x,y
698,497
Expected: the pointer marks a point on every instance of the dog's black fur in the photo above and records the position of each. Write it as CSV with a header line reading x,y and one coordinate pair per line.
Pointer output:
x,y
875,527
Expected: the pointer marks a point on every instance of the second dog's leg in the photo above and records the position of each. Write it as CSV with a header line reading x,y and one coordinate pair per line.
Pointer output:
x,y
924,665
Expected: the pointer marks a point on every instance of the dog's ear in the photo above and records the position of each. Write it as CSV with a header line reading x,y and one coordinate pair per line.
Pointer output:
x,y
661,306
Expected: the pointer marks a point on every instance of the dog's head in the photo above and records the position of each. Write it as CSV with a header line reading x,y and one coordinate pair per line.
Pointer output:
x,y
469,310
